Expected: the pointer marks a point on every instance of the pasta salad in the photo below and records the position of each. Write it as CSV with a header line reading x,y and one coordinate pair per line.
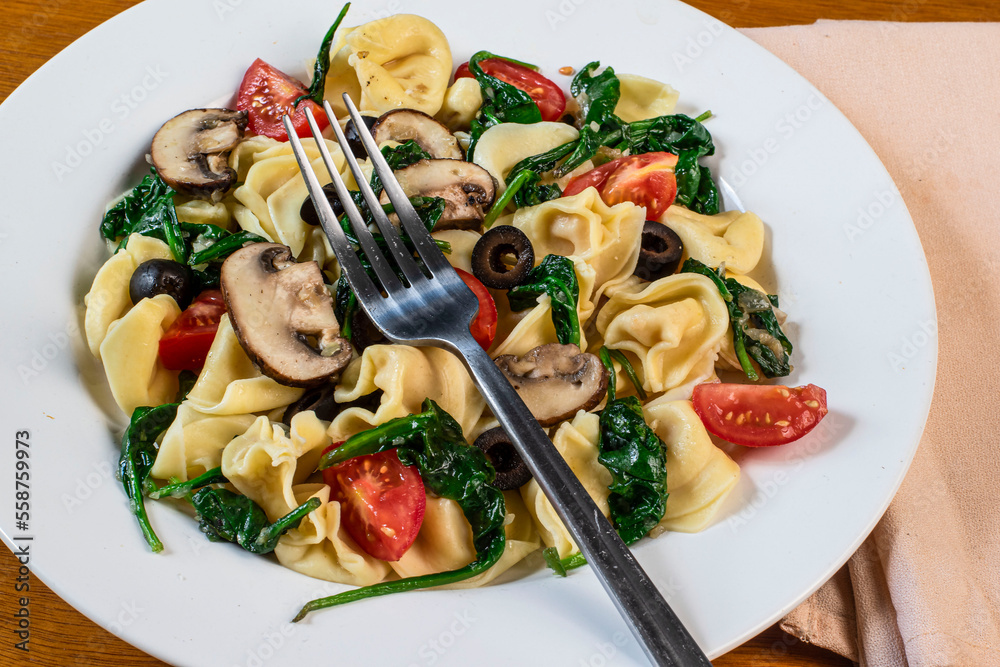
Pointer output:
x,y
612,291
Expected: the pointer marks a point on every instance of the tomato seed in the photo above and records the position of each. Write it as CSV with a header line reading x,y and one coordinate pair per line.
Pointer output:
x,y
740,419
813,404
388,532
729,415
566,71
783,422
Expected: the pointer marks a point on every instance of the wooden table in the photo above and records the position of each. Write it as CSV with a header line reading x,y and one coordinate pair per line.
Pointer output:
x,y
36,31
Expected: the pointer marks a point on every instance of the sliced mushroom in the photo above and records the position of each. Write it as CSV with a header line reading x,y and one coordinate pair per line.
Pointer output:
x,y
191,151
282,314
467,189
555,381
402,125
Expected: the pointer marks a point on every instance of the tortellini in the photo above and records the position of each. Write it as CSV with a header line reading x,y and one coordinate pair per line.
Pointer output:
x,y
673,327
503,146
108,297
461,103
273,192
699,474
320,547
131,355
402,61
583,227
230,384
194,442
444,542
576,441
263,462
733,238
643,98
406,376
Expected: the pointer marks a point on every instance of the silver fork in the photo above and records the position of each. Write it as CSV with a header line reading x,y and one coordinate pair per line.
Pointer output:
x,y
437,311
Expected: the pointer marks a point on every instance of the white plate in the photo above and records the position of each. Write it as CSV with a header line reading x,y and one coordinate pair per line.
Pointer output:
x,y
848,263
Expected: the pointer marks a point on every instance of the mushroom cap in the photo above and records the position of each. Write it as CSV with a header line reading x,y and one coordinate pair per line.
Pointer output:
x,y
190,151
555,381
283,316
467,188
402,125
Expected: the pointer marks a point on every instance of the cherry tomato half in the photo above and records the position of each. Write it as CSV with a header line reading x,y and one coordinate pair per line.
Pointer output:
x,y
484,327
266,94
382,502
186,343
546,94
756,415
645,180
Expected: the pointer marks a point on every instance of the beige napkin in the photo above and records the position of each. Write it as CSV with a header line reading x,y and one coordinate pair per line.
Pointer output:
x,y
924,589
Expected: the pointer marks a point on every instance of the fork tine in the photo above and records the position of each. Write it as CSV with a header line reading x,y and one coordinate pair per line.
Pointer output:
x,y
411,222
349,262
379,263
403,256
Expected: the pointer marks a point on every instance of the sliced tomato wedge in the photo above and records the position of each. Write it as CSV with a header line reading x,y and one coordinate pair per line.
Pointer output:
x,y
547,95
185,344
484,327
382,502
645,180
756,415
267,94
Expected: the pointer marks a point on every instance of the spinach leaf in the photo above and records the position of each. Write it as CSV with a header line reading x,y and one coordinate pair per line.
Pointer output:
x,y
322,66
597,95
561,565
450,468
139,448
149,199
227,516
637,461
399,157
556,277
225,244
606,356
756,332
149,210
502,102
179,489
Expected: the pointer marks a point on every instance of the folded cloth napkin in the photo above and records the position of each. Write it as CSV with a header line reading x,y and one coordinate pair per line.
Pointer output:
x,y
924,589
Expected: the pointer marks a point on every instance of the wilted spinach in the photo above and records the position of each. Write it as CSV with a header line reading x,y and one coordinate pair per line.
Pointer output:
x,y
227,516
752,318
637,460
606,356
178,489
502,102
556,277
399,157
561,565
148,209
139,448
598,93
450,468
322,65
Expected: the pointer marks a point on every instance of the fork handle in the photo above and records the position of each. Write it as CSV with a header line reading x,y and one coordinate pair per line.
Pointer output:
x,y
656,626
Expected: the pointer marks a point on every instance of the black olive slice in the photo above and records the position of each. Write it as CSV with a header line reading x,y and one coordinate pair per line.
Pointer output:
x,y
660,253
354,140
308,211
162,276
502,258
512,473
